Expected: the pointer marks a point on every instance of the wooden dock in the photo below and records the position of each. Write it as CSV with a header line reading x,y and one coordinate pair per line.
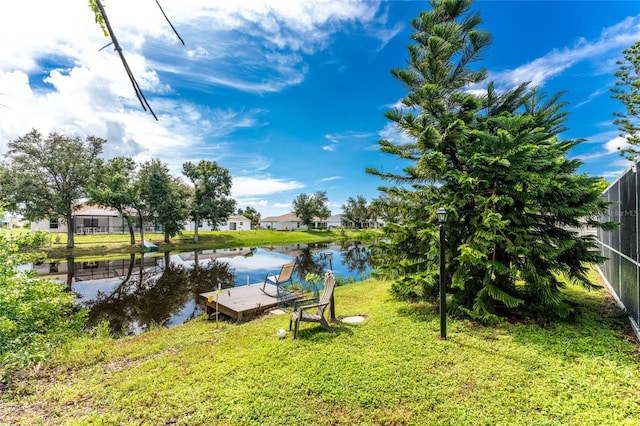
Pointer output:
x,y
246,301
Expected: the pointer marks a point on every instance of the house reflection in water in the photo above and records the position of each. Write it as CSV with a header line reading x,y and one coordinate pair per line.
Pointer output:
x,y
145,290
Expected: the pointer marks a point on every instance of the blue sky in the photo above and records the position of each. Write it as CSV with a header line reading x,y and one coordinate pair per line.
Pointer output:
x,y
289,96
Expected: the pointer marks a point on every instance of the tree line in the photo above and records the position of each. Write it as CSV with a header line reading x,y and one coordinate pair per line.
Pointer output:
x,y
357,212
48,178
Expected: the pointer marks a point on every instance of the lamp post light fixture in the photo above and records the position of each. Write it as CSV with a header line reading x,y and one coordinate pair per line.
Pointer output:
x,y
329,256
442,215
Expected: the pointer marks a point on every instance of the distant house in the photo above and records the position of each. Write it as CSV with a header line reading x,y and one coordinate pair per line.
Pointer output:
x,y
233,223
334,221
89,219
10,221
285,222
367,224
291,222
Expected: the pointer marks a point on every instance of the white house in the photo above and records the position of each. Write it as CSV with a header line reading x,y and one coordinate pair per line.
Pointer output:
x,y
11,221
291,222
334,221
285,222
88,219
233,223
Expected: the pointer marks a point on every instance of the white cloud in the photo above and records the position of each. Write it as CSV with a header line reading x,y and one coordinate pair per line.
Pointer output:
x,y
594,95
392,133
396,105
613,174
385,35
255,203
91,94
347,135
611,146
331,178
245,186
586,158
611,42
616,144
282,205
270,36
334,206
384,32
198,52
374,147
350,135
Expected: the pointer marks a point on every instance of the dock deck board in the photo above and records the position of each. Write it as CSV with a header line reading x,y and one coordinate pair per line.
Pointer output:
x,y
245,301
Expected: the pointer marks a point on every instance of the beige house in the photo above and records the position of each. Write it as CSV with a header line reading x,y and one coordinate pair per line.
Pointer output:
x,y
285,222
291,222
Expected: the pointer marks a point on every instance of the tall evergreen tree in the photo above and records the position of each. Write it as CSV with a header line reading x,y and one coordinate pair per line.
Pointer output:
x,y
496,163
627,91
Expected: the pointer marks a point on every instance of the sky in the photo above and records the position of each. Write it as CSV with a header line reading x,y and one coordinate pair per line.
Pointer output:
x,y
289,96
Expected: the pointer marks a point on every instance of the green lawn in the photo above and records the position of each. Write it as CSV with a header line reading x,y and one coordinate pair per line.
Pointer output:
x,y
110,245
390,370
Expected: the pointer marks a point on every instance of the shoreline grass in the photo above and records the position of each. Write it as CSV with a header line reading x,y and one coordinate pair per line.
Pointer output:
x,y
113,245
392,369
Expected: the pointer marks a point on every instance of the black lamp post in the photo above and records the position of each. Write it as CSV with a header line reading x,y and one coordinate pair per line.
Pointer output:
x,y
442,214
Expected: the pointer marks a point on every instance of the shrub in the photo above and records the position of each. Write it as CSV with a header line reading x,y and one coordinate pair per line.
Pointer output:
x,y
35,315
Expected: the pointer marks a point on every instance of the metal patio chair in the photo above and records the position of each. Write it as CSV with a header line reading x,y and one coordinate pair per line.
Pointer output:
x,y
285,275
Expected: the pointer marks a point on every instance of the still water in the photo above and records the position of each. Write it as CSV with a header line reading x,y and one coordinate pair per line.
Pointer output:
x,y
145,290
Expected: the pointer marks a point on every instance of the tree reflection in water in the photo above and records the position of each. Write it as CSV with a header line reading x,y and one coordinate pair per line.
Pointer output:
x,y
355,256
154,296
309,261
137,293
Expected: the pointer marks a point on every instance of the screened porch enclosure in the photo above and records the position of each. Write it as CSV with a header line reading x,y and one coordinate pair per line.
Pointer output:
x,y
106,225
100,225
621,270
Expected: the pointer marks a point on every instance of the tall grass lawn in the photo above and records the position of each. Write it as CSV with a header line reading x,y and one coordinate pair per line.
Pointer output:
x,y
391,369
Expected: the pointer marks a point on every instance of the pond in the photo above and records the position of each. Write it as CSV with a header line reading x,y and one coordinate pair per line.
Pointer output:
x,y
146,289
